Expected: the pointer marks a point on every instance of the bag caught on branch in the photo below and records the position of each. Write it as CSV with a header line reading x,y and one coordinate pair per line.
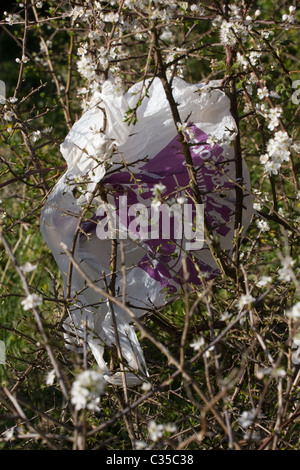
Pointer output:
x,y
145,218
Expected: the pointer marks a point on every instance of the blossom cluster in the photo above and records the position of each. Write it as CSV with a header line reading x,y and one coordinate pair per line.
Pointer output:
x,y
236,28
244,300
286,272
272,115
12,18
289,18
294,312
87,390
98,58
31,301
156,431
247,418
277,152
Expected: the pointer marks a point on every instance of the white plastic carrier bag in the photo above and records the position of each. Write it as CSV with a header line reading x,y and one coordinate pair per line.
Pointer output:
x,y
143,172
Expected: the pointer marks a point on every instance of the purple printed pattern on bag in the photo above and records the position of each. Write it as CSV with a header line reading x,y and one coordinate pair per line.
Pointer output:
x,y
163,259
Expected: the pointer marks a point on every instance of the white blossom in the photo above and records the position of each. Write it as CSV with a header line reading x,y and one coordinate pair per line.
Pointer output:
x,y
296,147
245,299
158,189
294,312
235,12
97,6
24,59
83,49
82,91
278,372
272,168
211,141
197,344
77,12
262,93
264,280
267,33
167,35
225,316
155,430
264,158
254,56
246,419
277,149
209,352
28,267
182,127
12,18
87,390
146,386
240,60
244,63
8,115
36,135
253,436
181,200
86,66
140,445
8,434
197,9
229,31
296,339
286,271
290,17
110,17
50,377
31,301
263,225
273,116
227,36
170,427
273,372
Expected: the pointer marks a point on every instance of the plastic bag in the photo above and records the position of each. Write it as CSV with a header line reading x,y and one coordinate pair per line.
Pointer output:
x,y
142,169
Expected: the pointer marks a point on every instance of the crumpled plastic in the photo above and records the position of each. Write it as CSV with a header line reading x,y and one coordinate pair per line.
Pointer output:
x,y
130,161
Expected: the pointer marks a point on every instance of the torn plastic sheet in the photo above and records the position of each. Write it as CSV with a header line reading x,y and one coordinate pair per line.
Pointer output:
x,y
132,162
